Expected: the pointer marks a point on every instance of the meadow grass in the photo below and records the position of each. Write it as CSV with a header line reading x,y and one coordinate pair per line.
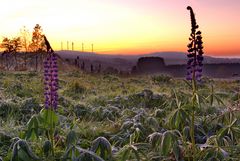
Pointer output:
x,y
127,111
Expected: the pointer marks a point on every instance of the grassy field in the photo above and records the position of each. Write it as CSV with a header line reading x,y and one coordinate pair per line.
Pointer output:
x,y
109,117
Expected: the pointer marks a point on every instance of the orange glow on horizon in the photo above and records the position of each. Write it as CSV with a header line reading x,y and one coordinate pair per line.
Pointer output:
x,y
127,27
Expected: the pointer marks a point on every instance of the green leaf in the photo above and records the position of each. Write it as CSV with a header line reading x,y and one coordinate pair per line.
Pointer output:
x,y
71,138
47,148
166,143
24,145
102,147
22,155
22,150
91,154
33,127
176,151
222,133
155,140
153,123
49,117
178,118
188,83
125,154
135,151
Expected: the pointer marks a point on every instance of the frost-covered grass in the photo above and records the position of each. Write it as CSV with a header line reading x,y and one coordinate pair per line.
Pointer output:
x,y
120,118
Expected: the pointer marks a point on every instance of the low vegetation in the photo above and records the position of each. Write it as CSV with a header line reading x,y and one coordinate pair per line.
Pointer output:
x,y
107,117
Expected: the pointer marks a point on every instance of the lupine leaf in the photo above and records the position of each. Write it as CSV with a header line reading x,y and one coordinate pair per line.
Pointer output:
x,y
47,147
102,147
71,138
166,143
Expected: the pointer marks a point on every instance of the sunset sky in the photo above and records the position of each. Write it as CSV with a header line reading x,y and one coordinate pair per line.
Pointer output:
x,y
127,26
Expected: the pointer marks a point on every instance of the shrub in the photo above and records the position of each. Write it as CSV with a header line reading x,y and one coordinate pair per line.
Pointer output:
x,y
8,109
75,90
160,79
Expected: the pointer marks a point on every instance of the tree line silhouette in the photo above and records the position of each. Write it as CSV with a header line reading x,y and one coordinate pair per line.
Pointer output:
x,y
28,50
24,49
81,65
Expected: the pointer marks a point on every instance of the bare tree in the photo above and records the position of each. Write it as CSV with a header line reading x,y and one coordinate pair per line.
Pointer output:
x,y
38,43
25,39
83,66
92,70
77,62
7,46
99,68
11,47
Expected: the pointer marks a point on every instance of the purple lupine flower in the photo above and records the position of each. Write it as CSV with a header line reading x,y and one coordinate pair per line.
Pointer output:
x,y
195,51
51,81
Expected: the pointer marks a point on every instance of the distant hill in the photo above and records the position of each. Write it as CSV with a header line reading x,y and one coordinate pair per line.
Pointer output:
x,y
173,63
156,65
125,62
174,58
120,62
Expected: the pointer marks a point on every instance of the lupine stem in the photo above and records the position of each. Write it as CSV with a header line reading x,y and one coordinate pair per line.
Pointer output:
x,y
52,130
194,92
192,133
192,136
194,70
51,111
51,96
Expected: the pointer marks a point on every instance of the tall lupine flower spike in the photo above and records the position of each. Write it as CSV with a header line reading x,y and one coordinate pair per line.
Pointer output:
x,y
195,50
51,80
